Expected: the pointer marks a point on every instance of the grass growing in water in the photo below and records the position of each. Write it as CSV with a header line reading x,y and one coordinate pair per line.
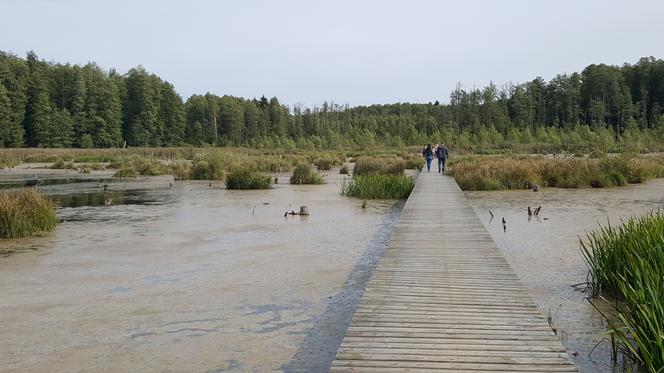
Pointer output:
x,y
628,262
324,164
343,170
379,186
375,165
303,174
521,172
25,213
126,172
181,170
245,178
60,164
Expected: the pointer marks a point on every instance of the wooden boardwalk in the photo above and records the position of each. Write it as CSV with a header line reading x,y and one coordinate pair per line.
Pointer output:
x,y
443,298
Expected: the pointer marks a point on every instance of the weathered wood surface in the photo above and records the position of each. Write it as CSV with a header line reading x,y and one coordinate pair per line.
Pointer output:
x,y
443,298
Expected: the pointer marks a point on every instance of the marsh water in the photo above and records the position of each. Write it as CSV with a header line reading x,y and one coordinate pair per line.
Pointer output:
x,y
188,277
191,277
544,251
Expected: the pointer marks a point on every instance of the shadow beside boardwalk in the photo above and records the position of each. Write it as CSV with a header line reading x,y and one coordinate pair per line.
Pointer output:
x,y
322,340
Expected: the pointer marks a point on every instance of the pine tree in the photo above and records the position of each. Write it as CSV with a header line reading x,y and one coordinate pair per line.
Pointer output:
x,y
37,123
14,76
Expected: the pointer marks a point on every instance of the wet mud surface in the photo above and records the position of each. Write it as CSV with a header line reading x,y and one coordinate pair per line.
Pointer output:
x,y
188,278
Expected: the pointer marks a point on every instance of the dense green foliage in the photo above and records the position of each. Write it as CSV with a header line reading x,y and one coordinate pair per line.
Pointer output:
x,y
379,186
61,105
25,213
304,174
523,172
628,261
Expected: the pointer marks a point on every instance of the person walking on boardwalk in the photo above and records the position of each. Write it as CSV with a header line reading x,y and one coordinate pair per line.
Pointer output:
x,y
442,154
427,153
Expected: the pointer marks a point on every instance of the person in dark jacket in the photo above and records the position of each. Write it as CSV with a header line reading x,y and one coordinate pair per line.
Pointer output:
x,y
427,153
442,154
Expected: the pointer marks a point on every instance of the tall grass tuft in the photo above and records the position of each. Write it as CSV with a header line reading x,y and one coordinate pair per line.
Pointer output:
x,y
61,164
25,213
304,174
142,165
245,178
376,165
628,262
521,172
379,186
181,170
126,172
414,162
324,164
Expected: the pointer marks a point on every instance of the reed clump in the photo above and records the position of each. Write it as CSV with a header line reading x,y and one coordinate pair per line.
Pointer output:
x,y
628,262
181,170
61,164
304,174
522,172
324,164
379,186
126,172
414,162
378,165
25,213
204,170
142,165
343,170
244,177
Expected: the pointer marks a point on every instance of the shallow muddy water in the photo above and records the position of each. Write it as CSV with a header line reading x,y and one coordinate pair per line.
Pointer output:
x,y
544,252
188,278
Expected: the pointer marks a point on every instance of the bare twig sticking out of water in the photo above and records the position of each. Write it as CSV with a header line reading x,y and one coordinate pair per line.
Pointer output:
x,y
504,225
551,318
491,213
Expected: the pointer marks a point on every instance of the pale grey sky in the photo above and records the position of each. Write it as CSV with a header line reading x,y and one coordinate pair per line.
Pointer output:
x,y
357,52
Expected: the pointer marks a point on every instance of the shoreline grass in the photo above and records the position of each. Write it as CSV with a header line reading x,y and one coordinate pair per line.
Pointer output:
x,y
628,262
523,172
125,173
25,213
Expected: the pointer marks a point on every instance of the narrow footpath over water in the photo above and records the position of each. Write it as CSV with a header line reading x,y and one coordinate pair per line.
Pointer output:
x,y
444,298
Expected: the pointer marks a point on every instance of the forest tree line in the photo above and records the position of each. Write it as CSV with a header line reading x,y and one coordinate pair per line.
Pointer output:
x,y
44,104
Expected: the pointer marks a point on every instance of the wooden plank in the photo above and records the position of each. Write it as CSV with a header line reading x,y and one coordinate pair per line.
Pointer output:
x,y
443,298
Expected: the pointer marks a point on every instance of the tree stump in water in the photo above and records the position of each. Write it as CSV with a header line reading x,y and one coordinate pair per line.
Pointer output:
x,y
304,211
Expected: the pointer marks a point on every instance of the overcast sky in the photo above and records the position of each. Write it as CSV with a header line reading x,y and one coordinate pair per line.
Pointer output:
x,y
356,52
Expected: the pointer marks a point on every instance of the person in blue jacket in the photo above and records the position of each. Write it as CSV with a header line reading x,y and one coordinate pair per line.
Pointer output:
x,y
427,153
